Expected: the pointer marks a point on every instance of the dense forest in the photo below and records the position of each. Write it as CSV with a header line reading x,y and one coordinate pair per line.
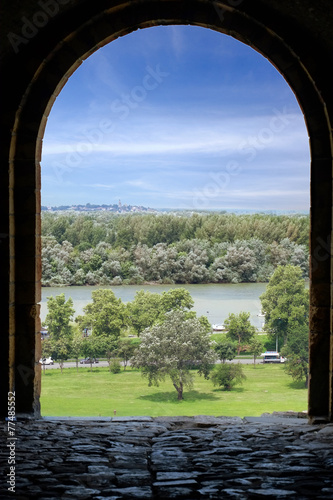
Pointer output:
x,y
102,248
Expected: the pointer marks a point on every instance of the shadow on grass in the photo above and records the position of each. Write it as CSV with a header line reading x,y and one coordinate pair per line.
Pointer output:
x,y
297,384
234,389
171,397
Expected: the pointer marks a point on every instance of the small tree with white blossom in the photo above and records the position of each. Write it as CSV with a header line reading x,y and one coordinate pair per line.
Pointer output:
x,y
172,349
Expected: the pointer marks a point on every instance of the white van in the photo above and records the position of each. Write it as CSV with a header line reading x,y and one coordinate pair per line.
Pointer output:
x,y
272,357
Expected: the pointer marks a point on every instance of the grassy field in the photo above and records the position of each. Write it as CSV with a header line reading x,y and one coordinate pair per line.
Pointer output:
x,y
99,393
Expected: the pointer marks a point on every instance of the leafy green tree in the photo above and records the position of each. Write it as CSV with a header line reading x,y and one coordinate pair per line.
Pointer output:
x,y
239,328
148,309
177,299
91,347
76,347
61,349
285,302
60,313
126,350
225,350
143,311
297,353
109,346
172,349
105,315
256,347
227,376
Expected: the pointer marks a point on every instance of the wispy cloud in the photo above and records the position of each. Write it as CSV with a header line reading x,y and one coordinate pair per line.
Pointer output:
x,y
221,105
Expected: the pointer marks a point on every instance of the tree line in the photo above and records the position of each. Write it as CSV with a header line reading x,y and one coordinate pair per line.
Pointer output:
x,y
108,249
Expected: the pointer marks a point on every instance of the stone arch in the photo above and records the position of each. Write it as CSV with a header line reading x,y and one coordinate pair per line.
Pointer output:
x,y
40,69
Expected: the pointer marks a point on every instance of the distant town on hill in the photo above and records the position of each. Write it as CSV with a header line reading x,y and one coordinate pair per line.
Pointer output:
x,y
88,207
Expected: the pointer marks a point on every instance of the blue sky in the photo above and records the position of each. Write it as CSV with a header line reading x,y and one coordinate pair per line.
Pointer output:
x,y
177,117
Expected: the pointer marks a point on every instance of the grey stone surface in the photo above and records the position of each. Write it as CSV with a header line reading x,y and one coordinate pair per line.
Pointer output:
x,y
185,458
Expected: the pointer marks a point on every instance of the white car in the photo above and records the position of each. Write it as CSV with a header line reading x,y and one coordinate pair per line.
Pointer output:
x,y
46,361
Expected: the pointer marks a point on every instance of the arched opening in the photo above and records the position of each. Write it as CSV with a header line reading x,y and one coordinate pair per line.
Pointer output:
x,y
200,129
58,52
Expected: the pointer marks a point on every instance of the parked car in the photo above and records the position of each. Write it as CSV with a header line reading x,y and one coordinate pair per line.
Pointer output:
x,y
46,361
88,361
273,357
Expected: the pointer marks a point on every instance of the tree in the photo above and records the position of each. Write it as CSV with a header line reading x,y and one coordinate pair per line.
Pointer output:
x,y
105,315
239,328
176,299
126,350
297,353
285,302
172,349
144,310
148,309
225,350
60,313
91,347
61,349
228,376
109,346
256,347
76,347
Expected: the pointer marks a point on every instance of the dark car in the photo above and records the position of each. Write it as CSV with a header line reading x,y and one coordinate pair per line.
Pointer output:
x,y
88,361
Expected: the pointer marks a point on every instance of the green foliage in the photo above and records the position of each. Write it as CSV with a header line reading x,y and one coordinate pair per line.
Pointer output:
x,y
148,309
143,311
125,350
228,375
105,315
285,302
106,249
91,347
297,353
239,328
61,349
60,313
256,347
177,299
115,366
172,348
225,350
76,346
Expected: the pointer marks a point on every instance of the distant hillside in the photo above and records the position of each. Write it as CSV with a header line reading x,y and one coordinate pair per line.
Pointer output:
x,y
88,207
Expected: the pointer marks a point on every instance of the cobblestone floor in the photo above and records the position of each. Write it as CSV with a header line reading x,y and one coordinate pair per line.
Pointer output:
x,y
182,457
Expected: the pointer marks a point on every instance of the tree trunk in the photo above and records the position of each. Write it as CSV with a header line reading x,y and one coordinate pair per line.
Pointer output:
x,y
179,389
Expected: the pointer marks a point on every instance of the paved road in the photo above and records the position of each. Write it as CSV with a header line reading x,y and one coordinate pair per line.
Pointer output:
x,y
71,364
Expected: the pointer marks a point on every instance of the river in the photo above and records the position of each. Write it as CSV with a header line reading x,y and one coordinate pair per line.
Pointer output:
x,y
215,301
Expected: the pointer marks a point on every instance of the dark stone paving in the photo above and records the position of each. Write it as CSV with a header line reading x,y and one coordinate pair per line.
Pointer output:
x,y
180,457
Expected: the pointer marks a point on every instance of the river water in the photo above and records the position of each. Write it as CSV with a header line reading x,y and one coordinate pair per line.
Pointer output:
x,y
215,301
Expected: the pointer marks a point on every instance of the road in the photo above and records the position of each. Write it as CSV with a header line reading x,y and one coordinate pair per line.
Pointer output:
x,y
72,364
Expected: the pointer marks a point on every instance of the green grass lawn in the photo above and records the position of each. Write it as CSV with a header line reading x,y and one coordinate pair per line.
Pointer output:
x,y
99,393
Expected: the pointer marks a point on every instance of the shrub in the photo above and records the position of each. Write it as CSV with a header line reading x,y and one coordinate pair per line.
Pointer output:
x,y
115,366
227,376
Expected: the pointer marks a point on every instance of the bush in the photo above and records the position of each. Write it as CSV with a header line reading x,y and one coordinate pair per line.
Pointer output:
x,y
227,376
115,366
